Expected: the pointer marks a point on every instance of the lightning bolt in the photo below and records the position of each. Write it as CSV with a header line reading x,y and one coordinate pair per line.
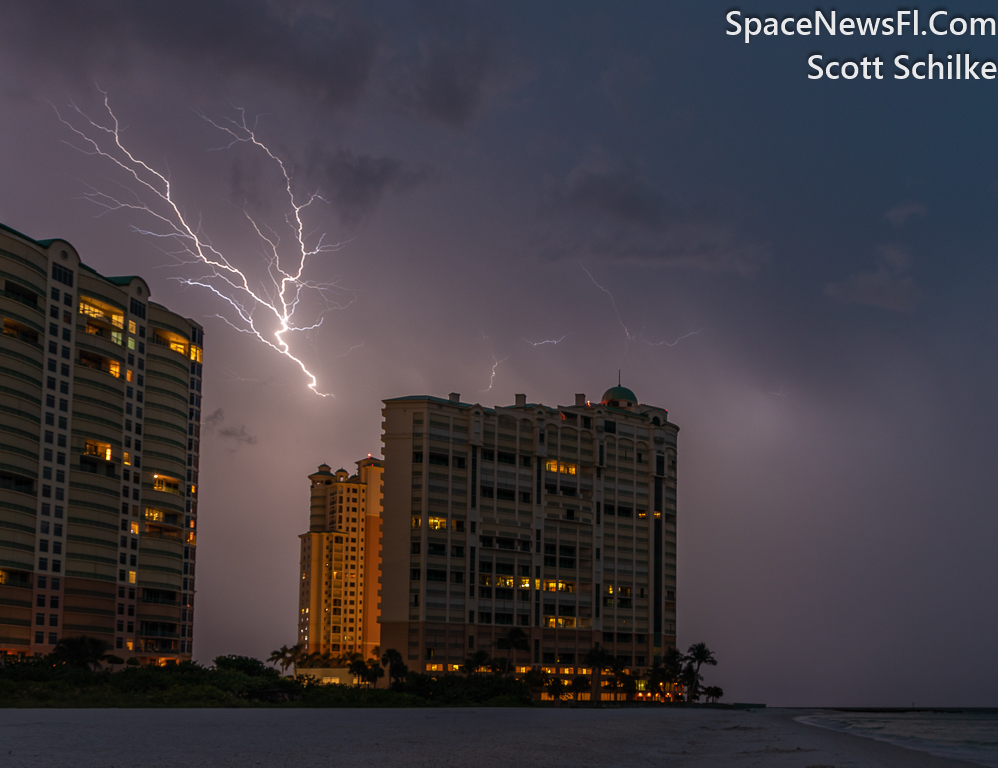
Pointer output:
x,y
613,302
634,337
495,363
547,341
253,310
674,343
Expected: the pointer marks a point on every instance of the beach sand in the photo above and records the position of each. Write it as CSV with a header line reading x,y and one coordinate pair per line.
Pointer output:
x,y
435,738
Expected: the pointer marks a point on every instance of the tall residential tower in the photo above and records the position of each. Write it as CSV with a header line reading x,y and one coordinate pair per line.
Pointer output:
x,y
100,397
340,586
558,520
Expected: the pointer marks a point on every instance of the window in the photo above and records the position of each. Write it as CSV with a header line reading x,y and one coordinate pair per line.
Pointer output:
x,y
437,524
98,449
440,459
62,275
564,467
166,484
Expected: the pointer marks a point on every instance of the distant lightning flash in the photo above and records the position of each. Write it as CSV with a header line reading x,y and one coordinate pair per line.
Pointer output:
x,y
613,302
495,363
546,341
279,300
674,343
635,337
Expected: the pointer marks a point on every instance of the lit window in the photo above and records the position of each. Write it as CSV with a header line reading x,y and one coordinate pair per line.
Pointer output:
x,y
166,484
195,353
131,326
416,521
565,467
127,459
437,524
504,581
134,528
95,448
114,368
524,583
131,577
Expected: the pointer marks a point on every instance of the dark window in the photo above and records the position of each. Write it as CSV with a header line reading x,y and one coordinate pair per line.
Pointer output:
x,y
440,459
504,494
456,578
460,462
435,575
457,551
436,549
507,458
486,542
610,427
488,454
18,483
138,309
524,461
62,275
488,492
525,497
414,548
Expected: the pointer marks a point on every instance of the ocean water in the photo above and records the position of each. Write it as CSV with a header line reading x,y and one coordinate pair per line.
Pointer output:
x,y
969,734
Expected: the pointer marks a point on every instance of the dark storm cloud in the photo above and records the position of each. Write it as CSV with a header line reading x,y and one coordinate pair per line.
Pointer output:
x,y
319,54
889,287
621,215
356,183
448,83
237,433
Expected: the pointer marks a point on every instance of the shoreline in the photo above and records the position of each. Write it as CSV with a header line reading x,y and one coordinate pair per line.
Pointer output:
x,y
440,738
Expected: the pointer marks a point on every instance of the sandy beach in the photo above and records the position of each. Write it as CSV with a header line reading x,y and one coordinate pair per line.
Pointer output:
x,y
436,738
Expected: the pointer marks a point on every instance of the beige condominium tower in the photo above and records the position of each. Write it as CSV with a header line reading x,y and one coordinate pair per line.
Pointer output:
x,y
340,586
100,406
558,520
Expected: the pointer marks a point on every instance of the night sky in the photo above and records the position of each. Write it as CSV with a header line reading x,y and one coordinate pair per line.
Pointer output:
x,y
802,272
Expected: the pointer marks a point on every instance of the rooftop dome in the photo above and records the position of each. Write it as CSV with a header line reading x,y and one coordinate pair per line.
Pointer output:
x,y
619,397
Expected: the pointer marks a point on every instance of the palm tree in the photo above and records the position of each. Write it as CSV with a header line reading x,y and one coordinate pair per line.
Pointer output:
x,y
598,659
713,693
474,662
81,651
579,685
374,671
281,658
557,688
358,668
690,680
699,654
535,680
514,638
396,667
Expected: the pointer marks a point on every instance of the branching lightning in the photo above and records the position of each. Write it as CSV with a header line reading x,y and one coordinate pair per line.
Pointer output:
x,y
546,341
254,310
627,333
495,363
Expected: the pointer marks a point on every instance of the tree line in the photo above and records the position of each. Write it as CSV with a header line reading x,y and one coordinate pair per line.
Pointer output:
x,y
676,677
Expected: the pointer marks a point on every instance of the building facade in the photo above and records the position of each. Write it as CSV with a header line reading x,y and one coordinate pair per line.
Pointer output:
x,y
340,585
100,396
558,520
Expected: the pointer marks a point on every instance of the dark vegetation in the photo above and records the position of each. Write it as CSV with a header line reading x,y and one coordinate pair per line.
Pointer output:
x,y
81,673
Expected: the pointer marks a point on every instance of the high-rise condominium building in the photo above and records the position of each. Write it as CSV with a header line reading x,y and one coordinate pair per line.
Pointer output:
x,y
100,395
340,589
558,520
